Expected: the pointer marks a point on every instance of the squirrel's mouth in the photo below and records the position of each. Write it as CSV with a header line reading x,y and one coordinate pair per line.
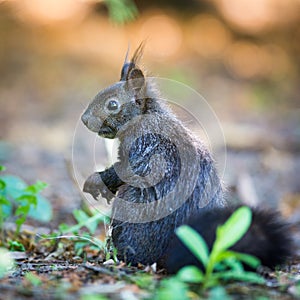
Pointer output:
x,y
107,131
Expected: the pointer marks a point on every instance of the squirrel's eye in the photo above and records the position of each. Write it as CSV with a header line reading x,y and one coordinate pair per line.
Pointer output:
x,y
113,105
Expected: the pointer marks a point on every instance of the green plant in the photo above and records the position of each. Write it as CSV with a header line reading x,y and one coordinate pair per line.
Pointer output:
x,y
3,203
15,246
84,221
93,297
19,201
121,11
25,201
172,288
221,263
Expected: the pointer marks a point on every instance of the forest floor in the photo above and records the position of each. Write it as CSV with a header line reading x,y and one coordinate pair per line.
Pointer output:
x,y
55,269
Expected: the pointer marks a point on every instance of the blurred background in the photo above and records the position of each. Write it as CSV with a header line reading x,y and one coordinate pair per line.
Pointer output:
x,y
242,56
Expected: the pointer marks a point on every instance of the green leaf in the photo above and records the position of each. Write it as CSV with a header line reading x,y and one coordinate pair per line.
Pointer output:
x,y
4,201
121,11
80,245
210,281
233,264
22,210
190,274
218,293
2,168
143,281
172,289
14,186
84,219
43,210
195,243
5,207
248,259
63,227
27,200
16,246
94,296
91,223
233,229
36,188
80,215
19,222
2,184
241,276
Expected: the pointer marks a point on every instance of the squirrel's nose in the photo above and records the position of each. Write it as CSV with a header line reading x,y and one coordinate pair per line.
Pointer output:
x,y
85,119
91,122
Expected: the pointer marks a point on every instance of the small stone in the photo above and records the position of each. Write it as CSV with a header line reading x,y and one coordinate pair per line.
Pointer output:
x,y
109,262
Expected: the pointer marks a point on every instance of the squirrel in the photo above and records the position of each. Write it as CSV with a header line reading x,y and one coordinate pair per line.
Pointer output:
x,y
165,177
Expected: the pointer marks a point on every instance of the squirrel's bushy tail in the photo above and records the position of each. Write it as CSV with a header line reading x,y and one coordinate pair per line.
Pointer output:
x,y
268,238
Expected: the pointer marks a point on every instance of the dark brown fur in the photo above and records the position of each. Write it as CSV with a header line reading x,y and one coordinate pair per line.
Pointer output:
x,y
131,111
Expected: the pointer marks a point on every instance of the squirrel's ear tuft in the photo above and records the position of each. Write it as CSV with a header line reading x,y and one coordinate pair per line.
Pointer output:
x,y
129,66
138,53
131,73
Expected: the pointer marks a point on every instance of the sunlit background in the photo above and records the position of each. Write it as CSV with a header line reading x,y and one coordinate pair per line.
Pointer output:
x,y
243,56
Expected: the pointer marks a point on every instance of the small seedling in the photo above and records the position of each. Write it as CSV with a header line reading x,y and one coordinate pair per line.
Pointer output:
x,y
16,246
81,238
19,201
25,201
221,263
83,220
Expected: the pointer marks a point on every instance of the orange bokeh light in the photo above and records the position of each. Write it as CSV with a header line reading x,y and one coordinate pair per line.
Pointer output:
x,y
207,36
50,11
258,15
165,35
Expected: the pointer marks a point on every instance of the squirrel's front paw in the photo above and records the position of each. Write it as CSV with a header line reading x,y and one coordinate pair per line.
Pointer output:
x,y
95,186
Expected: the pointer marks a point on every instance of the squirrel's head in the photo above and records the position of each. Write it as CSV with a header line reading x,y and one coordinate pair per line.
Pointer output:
x,y
114,106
